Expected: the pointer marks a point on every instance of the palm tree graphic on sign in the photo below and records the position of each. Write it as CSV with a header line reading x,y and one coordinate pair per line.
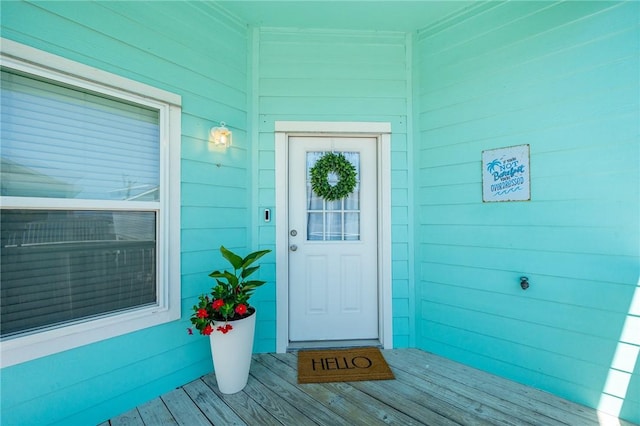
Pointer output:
x,y
493,165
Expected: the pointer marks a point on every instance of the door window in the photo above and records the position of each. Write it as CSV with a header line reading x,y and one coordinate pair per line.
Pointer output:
x,y
337,220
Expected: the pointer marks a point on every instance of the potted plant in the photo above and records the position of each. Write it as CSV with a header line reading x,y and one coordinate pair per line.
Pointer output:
x,y
226,316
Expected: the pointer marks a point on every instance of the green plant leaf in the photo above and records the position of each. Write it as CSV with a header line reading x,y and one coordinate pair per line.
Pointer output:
x,y
252,257
231,278
249,285
235,260
248,271
216,274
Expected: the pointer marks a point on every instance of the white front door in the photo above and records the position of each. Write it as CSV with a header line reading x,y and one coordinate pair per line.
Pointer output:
x,y
333,245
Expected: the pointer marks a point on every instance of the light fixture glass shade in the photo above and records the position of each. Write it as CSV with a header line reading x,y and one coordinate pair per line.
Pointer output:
x,y
220,135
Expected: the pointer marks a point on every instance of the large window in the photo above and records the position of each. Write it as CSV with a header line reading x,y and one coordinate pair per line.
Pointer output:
x,y
89,204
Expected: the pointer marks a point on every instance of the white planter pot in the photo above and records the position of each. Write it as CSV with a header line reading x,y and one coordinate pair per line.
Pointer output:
x,y
231,354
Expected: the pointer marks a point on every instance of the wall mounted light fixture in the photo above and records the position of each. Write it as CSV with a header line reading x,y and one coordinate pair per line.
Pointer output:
x,y
220,136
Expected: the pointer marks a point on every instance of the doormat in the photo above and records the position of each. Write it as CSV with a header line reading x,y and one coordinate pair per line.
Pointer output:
x,y
342,365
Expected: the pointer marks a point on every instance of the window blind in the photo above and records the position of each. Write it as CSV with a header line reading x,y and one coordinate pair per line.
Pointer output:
x,y
64,143
61,266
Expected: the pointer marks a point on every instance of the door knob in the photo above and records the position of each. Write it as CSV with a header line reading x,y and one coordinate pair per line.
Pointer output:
x,y
293,247
293,232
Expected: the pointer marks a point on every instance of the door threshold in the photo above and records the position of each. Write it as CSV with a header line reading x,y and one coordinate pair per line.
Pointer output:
x,y
332,344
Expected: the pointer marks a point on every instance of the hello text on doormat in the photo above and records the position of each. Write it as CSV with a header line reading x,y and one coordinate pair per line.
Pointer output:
x,y
342,365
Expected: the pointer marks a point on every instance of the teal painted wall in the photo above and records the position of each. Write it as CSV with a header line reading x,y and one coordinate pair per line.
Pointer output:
x,y
563,78
315,75
195,51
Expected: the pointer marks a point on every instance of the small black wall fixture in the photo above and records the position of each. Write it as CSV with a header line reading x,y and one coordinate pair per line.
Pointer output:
x,y
524,283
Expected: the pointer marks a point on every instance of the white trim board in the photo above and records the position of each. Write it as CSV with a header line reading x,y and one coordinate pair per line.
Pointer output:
x,y
328,127
284,129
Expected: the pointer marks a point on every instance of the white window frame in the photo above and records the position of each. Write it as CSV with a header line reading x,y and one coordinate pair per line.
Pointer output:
x,y
30,346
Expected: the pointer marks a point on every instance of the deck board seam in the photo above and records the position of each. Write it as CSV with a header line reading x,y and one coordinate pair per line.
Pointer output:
x,y
427,390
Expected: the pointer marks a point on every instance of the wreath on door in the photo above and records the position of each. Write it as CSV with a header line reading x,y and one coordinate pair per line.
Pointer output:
x,y
333,163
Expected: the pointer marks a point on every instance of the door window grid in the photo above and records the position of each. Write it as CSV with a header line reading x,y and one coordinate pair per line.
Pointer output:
x,y
337,220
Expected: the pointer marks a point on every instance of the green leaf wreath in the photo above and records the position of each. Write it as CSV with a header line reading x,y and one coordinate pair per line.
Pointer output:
x,y
338,164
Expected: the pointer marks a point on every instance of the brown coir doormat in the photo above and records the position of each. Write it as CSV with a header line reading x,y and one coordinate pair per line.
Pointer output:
x,y
342,365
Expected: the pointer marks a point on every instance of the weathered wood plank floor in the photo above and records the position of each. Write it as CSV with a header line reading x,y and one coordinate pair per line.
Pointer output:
x,y
428,390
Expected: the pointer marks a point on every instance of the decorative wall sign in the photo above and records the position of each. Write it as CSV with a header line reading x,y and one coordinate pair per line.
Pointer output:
x,y
505,174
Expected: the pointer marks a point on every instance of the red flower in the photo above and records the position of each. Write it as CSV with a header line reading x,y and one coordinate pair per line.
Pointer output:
x,y
202,313
241,309
225,329
207,330
217,304
190,331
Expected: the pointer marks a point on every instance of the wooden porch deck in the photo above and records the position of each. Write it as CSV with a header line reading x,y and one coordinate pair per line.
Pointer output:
x,y
428,390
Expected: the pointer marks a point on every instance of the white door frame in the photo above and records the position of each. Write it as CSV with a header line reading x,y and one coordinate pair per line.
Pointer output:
x,y
380,131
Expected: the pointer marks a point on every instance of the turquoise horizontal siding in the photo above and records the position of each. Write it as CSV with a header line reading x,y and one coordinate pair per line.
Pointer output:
x,y
195,50
314,75
563,78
